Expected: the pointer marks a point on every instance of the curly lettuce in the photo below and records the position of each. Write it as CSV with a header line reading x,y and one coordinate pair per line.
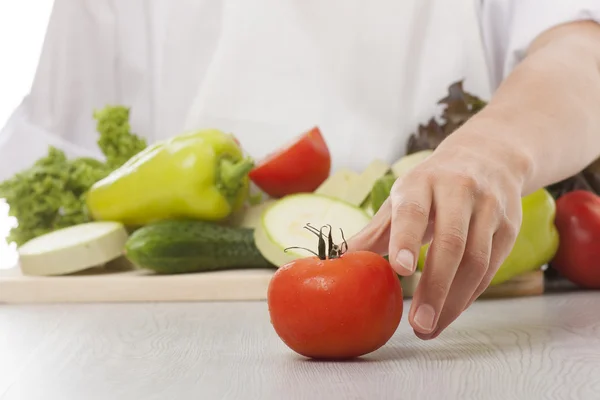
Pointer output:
x,y
50,195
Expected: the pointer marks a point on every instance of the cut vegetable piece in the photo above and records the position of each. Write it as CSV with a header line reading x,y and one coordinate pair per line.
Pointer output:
x,y
73,249
283,225
251,216
367,206
361,187
410,161
297,168
338,184
381,191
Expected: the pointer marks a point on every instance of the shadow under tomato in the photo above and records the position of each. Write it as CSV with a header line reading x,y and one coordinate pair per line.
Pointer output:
x,y
386,353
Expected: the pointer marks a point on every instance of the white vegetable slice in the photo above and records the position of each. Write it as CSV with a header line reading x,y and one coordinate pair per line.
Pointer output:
x,y
73,249
283,225
361,187
250,217
338,185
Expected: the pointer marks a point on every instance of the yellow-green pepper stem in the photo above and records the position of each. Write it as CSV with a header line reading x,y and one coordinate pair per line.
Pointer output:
x,y
230,176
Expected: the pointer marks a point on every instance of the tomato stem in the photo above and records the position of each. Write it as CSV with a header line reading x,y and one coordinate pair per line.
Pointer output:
x,y
327,250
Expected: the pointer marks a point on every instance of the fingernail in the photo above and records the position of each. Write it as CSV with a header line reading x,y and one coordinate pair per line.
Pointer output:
x,y
406,260
424,317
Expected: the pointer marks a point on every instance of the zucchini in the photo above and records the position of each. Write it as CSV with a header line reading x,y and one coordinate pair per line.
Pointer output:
x,y
283,225
186,246
73,249
250,216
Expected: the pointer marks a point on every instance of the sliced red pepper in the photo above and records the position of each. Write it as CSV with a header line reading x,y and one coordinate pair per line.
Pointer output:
x,y
299,167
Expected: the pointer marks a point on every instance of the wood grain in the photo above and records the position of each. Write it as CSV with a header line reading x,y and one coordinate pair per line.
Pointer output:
x,y
545,347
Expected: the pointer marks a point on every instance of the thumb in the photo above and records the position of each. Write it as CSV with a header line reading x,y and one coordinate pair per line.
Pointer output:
x,y
375,236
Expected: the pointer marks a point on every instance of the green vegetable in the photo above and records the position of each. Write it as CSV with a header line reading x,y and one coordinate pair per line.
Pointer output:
x,y
185,246
116,141
536,243
50,195
283,225
198,175
381,191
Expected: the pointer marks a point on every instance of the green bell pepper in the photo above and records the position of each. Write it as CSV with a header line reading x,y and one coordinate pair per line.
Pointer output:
x,y
198,175
536,243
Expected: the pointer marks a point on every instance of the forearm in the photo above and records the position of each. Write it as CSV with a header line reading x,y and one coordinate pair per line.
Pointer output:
x,y
549,107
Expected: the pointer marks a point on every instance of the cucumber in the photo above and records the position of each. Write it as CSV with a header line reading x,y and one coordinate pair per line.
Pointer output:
x,y
186,246
73,249
283,225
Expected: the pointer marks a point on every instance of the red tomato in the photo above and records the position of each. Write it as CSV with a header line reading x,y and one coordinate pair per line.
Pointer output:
x,y
300,167
337,308
578,223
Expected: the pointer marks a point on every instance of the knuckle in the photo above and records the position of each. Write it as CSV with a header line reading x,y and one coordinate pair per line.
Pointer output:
x,y
510,228
423,175
412,209
492,203
438,289
478,262
452,239
468,182
408,239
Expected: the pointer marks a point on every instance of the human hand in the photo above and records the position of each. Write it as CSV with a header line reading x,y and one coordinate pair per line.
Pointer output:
x,y
466,200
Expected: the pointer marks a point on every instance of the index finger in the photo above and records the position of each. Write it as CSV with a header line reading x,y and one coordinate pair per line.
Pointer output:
x,y
453,216
411,205
375,236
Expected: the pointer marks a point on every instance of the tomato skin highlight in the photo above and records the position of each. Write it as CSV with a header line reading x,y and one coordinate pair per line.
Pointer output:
x,y
336,308
298,168
578,223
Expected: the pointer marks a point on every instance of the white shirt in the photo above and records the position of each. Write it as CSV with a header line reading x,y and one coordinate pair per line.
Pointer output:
x,y
366,72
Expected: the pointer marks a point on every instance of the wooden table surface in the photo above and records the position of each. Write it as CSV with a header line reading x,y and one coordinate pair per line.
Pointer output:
x,y
545,347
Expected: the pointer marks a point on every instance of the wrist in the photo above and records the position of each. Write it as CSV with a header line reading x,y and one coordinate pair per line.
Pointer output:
x,y
496,139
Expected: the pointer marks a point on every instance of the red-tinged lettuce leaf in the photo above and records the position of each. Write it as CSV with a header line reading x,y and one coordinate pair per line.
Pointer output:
x,y
459,106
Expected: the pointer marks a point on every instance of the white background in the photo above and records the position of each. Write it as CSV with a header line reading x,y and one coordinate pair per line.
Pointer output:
x,y
22,28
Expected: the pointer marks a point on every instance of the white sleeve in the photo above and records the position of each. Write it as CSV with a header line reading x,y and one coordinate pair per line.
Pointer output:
x,y
510,26
95,53
54,112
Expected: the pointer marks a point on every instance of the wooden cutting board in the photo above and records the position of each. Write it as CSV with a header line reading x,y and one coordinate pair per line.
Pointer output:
x,y
116,284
